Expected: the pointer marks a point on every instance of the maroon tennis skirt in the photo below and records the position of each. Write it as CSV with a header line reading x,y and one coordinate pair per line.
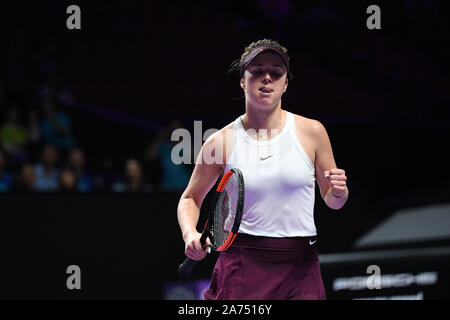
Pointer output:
x,y
266,268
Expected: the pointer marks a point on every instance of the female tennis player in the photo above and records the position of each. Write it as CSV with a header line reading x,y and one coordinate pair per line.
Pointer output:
x,y
281,156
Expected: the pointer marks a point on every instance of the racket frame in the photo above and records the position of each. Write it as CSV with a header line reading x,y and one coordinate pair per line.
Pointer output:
x,y
237,221
239,209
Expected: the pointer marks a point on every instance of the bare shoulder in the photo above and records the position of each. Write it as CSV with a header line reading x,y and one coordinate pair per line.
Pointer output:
x,y
310,127
220,136
217,148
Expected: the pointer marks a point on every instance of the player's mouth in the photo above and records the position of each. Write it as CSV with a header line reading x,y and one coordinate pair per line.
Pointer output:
x,y
265,90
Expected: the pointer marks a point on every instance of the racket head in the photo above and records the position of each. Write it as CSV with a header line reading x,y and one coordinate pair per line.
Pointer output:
x,y
227,209
224,217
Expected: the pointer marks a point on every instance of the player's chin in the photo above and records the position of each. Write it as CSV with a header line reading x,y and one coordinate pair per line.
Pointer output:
x,y
267,99
266,102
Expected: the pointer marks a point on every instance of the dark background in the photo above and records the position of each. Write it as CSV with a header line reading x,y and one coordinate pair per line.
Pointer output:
x,y
136,65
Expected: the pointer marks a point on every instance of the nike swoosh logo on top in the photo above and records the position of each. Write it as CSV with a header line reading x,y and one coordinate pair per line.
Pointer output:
x,y
262,159
312,242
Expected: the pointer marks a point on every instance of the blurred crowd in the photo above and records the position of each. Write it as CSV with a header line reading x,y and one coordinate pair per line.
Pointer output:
x,y
39,153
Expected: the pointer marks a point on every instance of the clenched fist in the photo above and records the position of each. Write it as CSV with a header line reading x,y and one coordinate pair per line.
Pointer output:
x,y
337,180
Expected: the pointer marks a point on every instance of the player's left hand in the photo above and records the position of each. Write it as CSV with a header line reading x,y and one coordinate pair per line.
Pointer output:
x,y
337,180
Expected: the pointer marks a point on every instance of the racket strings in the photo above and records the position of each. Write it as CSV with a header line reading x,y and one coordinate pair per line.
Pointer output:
x,y
225,212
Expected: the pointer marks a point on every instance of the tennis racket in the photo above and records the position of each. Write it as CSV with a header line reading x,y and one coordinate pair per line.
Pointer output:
x,y
224,217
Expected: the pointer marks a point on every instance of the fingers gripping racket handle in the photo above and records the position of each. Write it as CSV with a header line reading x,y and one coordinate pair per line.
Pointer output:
x,y
186,267
188,264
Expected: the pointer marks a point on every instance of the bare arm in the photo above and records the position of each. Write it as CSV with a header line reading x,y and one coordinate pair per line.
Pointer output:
x,y
202,180
331,180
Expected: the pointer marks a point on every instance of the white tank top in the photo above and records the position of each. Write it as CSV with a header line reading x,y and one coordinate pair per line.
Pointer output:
x,y
279,180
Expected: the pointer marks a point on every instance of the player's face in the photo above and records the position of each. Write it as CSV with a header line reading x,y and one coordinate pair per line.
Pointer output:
x,y
265,79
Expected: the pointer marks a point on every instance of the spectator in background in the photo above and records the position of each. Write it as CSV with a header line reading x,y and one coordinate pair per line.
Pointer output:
x,y
46,172
173,177
110,176
13,136
56,127
77,163
68,181
27,179
6,180
134,179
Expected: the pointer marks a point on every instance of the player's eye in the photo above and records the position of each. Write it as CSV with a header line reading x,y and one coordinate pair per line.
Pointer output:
x,y
257,72
276,74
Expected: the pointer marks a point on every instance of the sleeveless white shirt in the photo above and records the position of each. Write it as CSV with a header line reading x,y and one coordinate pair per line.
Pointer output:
x,y
279,180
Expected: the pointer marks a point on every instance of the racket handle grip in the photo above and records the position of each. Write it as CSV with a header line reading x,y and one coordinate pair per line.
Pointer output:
x,y
186,267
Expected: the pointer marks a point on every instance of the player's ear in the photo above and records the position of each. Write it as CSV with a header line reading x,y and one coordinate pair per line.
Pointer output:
x,y
242,82
285,85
